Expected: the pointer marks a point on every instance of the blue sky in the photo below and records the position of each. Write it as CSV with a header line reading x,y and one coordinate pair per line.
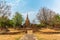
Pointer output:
x,y
32,6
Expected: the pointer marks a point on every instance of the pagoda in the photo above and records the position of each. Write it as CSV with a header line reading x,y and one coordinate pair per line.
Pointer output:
x,y
27,22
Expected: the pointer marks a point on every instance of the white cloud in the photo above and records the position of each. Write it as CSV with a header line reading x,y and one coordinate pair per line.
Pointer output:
x,y
15,2
31,15
56,6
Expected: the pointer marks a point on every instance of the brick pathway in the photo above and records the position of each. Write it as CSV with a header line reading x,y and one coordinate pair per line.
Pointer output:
x,y
29,37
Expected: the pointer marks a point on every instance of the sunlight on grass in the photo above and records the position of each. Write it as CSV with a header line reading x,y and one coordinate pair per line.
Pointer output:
x,y
17,38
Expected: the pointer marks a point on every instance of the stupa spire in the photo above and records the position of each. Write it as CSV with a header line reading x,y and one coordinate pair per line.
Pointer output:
x,y
27,22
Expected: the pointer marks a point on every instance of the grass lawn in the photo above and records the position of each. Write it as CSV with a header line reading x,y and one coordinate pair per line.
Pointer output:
x,y
11,37
47,36
39,36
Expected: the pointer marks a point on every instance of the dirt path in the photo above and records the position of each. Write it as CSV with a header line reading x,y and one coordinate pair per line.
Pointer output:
x,y
29,37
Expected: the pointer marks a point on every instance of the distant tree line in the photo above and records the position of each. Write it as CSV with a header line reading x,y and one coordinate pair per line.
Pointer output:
x,y
5,13
46,17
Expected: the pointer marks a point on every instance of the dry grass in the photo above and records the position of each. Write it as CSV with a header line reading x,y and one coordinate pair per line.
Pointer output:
x,y
11,37
47,36
39,35
42,36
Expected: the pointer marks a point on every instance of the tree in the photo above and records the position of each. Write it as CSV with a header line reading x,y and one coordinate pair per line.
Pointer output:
x,y
4,13
5,10
17,19
9,23
56,20
45,16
